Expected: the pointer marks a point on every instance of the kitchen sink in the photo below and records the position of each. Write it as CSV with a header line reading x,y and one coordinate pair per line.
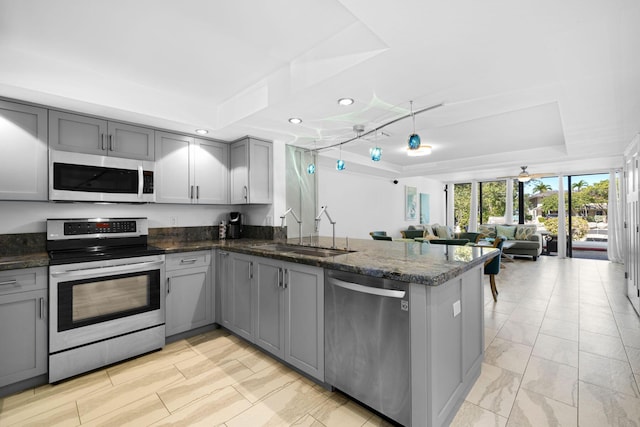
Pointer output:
x,y
303,250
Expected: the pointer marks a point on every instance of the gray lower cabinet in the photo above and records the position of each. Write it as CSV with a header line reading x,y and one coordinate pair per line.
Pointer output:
x,y
235,272
23,324
287,310
190,298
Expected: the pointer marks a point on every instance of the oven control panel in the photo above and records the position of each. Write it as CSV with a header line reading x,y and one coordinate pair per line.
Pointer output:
x,y
104,227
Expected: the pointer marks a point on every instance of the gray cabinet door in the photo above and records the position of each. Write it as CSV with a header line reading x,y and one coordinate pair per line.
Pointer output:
x,y
72,132
188,299
23,152
237,294
174,168
23,336
269,305
133,142
304,318
260,171
239,174
211,172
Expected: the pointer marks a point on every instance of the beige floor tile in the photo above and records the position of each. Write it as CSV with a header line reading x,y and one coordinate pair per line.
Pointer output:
x,y
149,363
489,335
48,397
630,337
338,410
504,307
495,320
307,421
602,345
634,359
610,373
62,416
534,304
556,349
560,313
16,399
267,381
508,355
223,353
257,361
599,406
522,333
142,412
181,393
599,324
627,320
495,389
212,410
552,379
105,401
283,407
470,415
526,315
533,409
376,421
560,328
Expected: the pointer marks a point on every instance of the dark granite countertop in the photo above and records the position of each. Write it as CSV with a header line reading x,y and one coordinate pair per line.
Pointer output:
x,y
405,261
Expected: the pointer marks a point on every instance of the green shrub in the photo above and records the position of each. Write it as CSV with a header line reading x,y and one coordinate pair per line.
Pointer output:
x,y
580,226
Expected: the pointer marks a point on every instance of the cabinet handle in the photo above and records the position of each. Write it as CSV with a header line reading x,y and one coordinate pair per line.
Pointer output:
x,y
251,270
246,192
285,281
110,142
188,261
280,277
168,285
9,282
197,191
102,141
191,193
42,308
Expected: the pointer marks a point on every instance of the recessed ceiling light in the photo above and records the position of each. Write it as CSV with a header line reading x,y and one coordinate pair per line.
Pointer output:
x,y
345,101
202,131
295,120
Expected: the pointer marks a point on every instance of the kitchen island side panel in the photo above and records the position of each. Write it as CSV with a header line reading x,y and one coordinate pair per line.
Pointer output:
x,y
446,346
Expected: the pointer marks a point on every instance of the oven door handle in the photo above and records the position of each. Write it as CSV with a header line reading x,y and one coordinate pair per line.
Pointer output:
x,y
122,268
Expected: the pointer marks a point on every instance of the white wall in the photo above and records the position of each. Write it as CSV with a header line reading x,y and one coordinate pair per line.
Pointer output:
x,y
360,202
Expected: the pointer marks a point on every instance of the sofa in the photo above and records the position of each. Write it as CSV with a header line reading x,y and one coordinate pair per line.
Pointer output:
x,y
527,241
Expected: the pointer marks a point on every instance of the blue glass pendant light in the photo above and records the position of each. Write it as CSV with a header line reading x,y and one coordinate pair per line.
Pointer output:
x,y
311,168
376,153
414,138
340,163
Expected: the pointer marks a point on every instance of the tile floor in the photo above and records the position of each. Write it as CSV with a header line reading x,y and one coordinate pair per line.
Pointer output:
x,y
562,348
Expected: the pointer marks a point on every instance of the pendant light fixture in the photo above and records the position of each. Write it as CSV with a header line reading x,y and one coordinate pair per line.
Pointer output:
x,y
376,152
311,168
414,138
340,163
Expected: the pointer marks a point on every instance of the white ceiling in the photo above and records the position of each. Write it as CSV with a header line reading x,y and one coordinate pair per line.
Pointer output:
x,y
548,84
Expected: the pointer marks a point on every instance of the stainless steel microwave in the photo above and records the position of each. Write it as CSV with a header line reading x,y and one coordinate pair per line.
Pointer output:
x,y
93,178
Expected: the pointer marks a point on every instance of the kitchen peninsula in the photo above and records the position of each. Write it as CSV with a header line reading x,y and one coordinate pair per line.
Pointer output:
x,y
445,298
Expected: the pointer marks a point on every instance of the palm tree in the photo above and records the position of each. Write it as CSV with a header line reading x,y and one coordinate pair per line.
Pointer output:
x,y
541,187
577,186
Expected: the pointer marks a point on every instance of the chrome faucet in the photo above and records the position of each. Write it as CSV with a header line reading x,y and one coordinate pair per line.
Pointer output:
x,y
331,221
297,219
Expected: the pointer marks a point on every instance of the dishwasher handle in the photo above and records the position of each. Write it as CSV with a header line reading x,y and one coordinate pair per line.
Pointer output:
x,y
392,293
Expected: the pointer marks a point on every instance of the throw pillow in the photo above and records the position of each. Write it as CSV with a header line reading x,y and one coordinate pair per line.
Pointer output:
x,y
428,231
523,232
508,231
444,232
487,230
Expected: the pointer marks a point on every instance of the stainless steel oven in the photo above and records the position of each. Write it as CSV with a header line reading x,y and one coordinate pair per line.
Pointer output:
x,y
88,177
106,294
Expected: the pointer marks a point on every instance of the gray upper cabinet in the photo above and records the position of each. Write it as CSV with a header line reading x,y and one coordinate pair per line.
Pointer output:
x,y
23,324
23,152
192,171
73,132
251,177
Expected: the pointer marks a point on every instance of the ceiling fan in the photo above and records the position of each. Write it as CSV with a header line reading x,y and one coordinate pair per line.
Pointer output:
x,y
525,176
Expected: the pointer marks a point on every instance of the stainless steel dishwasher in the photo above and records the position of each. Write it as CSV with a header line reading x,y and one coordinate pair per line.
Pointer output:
x,y
367,341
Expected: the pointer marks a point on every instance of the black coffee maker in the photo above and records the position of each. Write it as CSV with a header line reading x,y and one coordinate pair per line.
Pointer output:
x,y
234,231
